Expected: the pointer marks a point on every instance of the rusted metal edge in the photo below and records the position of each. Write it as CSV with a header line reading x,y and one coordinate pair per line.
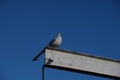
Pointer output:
x,y
81,71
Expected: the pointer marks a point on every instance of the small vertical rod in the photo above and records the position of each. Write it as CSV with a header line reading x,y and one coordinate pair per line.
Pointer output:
x,y
43,70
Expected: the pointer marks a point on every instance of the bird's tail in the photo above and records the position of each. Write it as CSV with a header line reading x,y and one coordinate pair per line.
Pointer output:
x,y
36,57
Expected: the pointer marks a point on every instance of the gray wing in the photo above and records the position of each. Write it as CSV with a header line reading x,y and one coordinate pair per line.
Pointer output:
x,y
51,43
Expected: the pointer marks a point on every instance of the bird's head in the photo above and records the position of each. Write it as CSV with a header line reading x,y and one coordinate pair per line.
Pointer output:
x,y
60,34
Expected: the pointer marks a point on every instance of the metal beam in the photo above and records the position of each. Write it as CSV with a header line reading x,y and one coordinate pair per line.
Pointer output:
x,y
82,63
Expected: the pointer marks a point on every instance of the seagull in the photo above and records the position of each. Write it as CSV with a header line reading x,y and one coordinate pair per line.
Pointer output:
x,y
55,43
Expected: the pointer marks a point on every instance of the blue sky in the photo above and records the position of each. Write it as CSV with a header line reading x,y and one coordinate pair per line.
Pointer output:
x,y
26,26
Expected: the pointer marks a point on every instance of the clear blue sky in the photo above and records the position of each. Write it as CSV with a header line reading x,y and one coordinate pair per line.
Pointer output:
x,y
26,26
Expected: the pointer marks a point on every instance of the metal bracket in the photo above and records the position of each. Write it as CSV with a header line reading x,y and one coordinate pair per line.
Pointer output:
x,y
49,61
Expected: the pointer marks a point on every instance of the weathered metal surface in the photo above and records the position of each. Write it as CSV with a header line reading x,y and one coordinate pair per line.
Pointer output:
x,y
72,61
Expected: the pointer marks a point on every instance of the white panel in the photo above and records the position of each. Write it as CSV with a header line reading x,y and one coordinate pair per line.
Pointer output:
x,y
81,62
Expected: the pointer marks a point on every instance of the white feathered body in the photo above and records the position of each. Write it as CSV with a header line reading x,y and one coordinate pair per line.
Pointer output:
x,y
57,41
